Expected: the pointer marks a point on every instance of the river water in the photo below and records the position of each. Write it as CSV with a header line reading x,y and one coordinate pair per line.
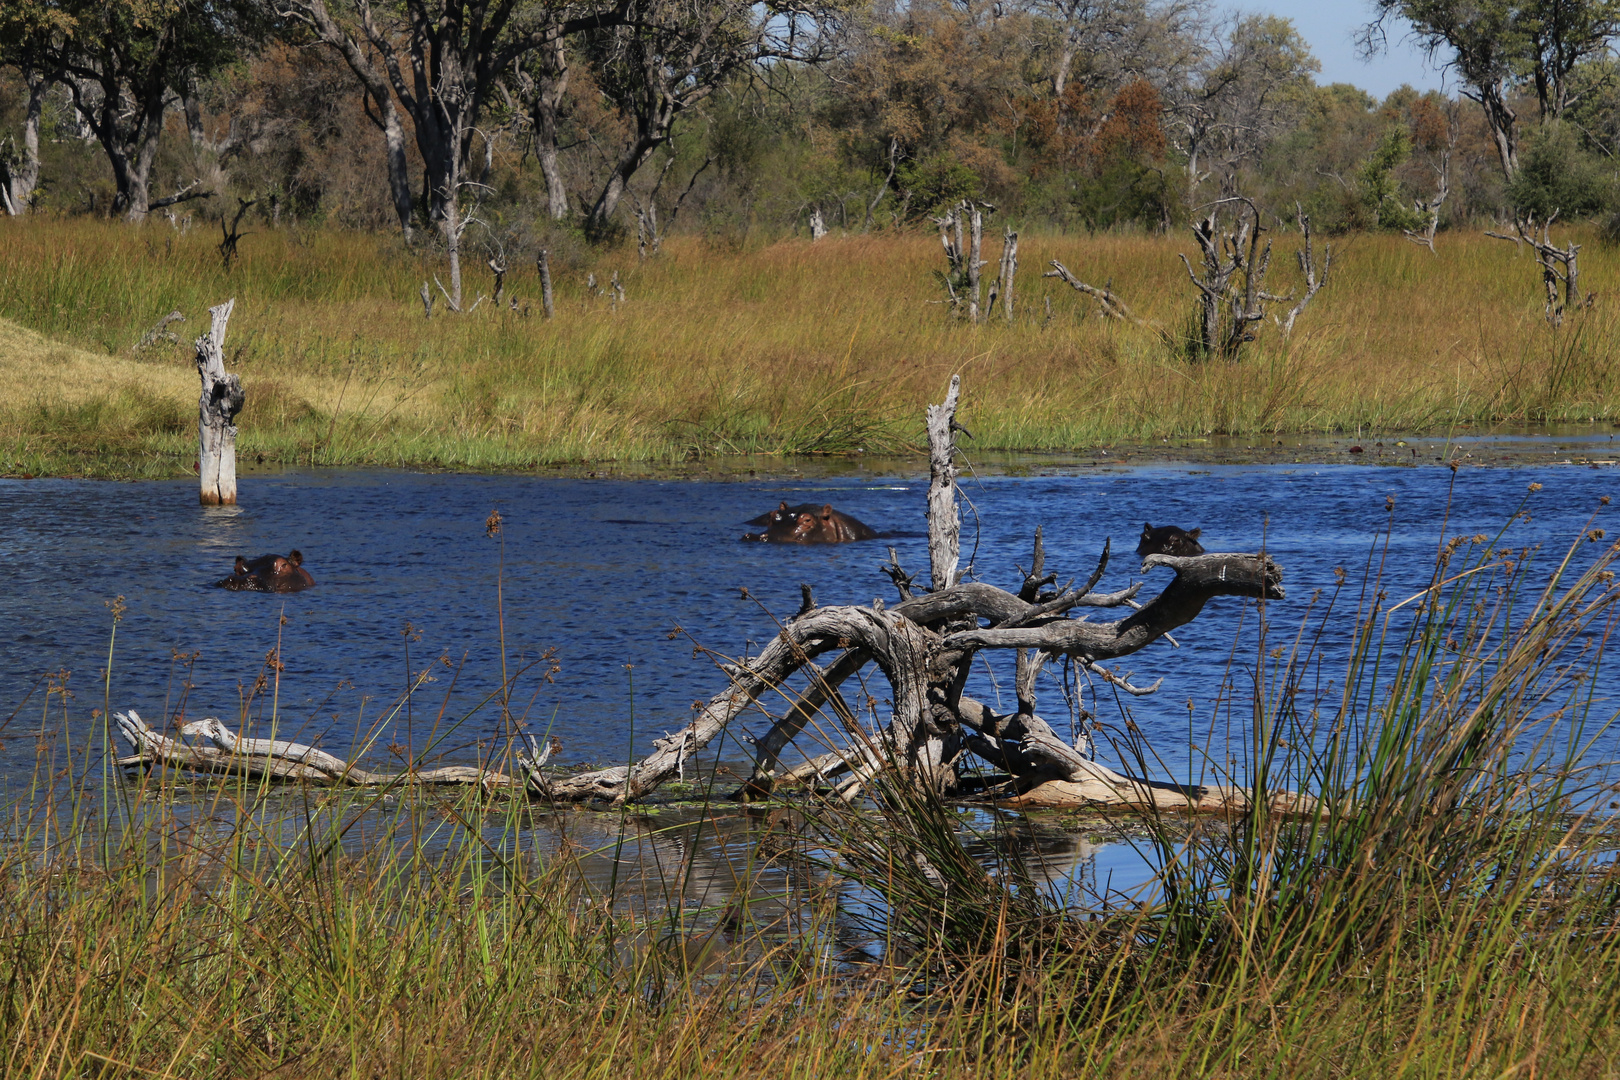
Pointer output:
x,y
605,571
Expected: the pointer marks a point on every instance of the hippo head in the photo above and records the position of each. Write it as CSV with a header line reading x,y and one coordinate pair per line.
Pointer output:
x,y
1168,540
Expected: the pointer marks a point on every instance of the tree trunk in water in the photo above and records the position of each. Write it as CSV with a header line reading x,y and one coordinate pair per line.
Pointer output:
x,y
221,400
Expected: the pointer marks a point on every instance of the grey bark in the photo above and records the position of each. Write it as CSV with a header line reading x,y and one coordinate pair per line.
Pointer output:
x,y
224,752
944,522
543,261
19,170
221,400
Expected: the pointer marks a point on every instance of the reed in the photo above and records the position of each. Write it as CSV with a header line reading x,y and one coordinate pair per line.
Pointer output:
x,y
1450,910
791,348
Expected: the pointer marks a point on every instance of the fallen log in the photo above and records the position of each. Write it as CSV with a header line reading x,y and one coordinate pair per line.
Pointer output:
x,y
230,754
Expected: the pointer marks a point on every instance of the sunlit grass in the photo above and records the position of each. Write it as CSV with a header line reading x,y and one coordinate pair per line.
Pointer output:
x,y
786,349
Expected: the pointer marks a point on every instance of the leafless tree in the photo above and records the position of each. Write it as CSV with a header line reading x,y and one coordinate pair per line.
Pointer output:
x,y
1559,266
1249,91
665,56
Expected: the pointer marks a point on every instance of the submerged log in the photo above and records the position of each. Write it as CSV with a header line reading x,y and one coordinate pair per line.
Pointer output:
x,y
221,400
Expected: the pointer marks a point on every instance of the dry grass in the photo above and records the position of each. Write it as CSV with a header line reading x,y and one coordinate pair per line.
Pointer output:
x,y
790,348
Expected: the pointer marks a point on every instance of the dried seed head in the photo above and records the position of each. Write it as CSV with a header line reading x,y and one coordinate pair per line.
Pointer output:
x,y
492,524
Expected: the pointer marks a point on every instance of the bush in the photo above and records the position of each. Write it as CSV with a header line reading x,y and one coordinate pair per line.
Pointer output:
x,y
1557,176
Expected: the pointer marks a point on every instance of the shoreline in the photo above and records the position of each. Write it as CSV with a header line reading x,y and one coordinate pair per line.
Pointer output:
x,y
1585,445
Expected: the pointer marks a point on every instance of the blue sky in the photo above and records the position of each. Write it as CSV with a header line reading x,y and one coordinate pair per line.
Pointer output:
x,y
1330,25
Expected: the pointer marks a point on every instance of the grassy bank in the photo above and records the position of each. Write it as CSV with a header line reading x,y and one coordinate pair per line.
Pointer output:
x,y
1454,910
787,349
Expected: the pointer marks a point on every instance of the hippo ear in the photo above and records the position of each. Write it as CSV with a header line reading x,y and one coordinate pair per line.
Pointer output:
x,y
1146,528
781,507
826,512
297,557
1194,534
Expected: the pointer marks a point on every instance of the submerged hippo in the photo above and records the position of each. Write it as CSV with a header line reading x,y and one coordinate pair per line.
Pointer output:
x,y
808,523
1168,540
269,573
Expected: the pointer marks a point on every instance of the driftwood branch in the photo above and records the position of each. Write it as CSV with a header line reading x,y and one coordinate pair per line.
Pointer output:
x,y
159,332
1199,579
1110,305
223,752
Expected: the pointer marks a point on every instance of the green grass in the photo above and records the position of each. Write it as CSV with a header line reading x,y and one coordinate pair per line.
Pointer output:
x,y
786,349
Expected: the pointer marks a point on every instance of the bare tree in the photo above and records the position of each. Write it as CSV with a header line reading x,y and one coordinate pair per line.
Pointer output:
x,y
1559,266
665,56
961,233
1250,90
1227,309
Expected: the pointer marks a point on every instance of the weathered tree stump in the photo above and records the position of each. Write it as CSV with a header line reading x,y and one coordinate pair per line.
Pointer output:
x,y
221,400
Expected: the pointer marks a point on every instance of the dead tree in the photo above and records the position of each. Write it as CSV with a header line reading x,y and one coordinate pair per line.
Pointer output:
x,y
219,750
961,232
543,262
1428,210
1559,266
232,236
221,400
1307,266
1109,305
1227,311
923,647
1002,287
818,225
159,332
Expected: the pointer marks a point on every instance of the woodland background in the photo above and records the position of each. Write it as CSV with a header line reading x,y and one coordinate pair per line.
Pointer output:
x,y
730,118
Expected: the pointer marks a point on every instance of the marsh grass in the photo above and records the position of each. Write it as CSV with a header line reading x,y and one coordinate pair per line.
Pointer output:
x,y
786,349
1450,910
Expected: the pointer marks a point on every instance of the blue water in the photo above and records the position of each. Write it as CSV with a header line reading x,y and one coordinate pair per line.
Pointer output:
x,y
603,571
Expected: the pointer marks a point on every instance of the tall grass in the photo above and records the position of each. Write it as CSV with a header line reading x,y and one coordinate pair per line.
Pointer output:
x,y
791,348
1449,909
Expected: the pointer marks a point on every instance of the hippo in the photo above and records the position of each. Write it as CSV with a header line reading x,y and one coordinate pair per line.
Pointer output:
x,y
808,523
1168,540
269,573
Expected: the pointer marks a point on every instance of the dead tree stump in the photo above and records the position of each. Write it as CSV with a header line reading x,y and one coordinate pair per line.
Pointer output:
x,y
221,400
